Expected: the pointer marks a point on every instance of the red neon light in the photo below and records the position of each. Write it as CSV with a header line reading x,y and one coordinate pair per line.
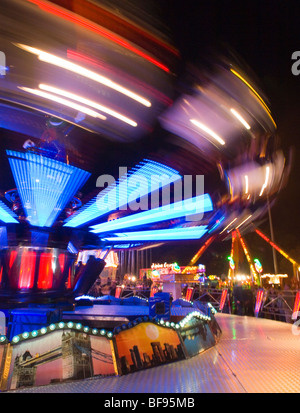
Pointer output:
x,y
153,291
69,278
27,270
114,23
246,252
223,298
1,272
71,17
189,292
259,298
12,257
45,279
296,306
118,292
62,260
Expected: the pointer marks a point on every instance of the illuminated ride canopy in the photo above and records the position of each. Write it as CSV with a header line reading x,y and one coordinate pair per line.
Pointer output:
x,y
82,94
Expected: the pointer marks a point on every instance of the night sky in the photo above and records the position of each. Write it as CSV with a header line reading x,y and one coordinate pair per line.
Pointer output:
x,y
264,34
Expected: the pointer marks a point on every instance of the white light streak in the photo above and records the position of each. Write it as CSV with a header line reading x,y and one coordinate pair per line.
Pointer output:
x,y
244,221
80,70
63,102
210,132
240,118
266,181
88,102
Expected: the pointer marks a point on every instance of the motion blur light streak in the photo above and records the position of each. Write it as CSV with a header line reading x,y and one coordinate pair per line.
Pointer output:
x,y
250,87
168,234
6,215
240,118
74,18
255,93
119,194
187,207
244,221
88,102
82,71
266,181
208,131
151,91
230,223
63,102
246,184
45,185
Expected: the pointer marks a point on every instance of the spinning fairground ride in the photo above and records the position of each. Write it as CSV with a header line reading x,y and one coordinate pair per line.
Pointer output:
x,y
104,146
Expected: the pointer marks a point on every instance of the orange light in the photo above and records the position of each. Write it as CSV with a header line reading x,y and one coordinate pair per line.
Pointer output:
x,y
223,299
202,249
263,236
189,292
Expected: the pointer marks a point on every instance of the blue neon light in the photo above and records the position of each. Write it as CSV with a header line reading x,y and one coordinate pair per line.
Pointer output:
x,y
122,192
71,248
187,207
45,185
169,234
217,223
6,215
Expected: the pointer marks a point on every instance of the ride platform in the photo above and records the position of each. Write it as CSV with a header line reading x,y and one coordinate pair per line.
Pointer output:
x,y
254,355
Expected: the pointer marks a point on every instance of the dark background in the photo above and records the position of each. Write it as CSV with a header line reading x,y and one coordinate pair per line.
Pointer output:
x,y
264,34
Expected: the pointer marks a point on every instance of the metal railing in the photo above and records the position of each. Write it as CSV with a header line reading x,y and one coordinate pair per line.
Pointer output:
x,y
279,305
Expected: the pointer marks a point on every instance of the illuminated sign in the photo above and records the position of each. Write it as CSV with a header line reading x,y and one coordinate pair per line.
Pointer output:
x,y
231,263
258,265
190,269
166,268
274,278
